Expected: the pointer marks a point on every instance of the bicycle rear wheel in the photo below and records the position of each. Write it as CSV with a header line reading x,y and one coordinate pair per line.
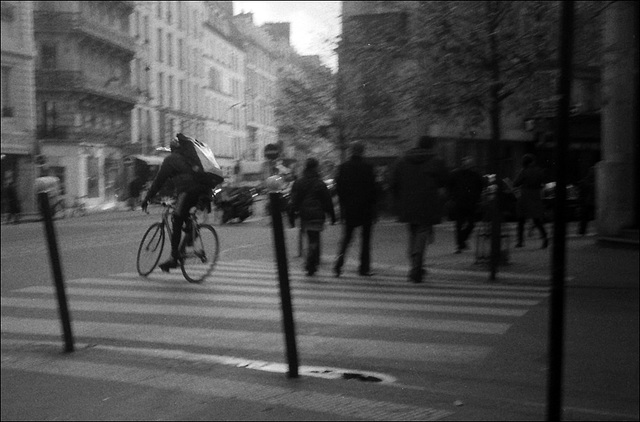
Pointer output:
x,y
199,260
150,249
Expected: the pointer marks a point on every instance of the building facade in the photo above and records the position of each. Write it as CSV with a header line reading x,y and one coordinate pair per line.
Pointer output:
x,y
84,95
260,85
17,142
224,62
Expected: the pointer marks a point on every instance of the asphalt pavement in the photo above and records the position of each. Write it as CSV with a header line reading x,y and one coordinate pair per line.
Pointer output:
x,y
101,381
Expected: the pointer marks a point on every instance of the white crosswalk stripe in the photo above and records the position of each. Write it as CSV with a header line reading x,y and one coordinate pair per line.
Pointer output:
x,y
383,318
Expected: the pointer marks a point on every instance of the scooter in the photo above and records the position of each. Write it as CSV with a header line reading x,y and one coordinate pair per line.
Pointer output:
x,y
235,203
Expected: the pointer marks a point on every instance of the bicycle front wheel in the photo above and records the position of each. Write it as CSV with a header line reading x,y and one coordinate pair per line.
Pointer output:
x,y
150,249
199,260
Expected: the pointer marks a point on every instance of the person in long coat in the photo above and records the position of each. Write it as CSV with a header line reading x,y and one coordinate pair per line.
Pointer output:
x,y
530,180
311,201
356,187
415,183
465,189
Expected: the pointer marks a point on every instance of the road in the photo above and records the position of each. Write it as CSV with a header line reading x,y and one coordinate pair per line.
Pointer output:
x,y
160,348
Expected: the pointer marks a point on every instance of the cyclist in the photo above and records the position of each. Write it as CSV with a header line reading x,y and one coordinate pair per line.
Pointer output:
x,y
181,169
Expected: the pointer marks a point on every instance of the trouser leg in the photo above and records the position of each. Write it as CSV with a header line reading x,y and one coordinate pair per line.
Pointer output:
x,y
313,250
459,231
540,226
347,234
521,222
365,248
419,236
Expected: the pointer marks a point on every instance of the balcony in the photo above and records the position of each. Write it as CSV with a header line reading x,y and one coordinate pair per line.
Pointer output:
x,y
75,22
76,81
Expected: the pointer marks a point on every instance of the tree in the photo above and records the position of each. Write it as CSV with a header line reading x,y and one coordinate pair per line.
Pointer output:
x,y
305,102
464,65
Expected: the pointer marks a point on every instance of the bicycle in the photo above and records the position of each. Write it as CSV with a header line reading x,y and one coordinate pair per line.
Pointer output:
x,y
199,247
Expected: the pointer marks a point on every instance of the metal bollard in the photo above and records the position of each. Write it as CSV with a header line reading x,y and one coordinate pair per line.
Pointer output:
x,y
285,291
56,269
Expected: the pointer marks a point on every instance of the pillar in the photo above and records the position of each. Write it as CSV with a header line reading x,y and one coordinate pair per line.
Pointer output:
x,y
616,185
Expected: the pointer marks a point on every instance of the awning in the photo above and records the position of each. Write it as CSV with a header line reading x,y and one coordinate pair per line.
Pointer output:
x,y
152,160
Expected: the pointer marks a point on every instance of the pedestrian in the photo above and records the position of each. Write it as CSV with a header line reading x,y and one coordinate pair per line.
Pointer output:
x,y
135,187
465,189
415,183
587,200
311,201
357,190
12,202
529,205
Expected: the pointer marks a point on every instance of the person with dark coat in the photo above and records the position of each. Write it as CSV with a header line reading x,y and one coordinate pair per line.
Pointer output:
x,y
135,188
415,183
465,189
356,187
179,167
530,180
12,202
311,201
587,200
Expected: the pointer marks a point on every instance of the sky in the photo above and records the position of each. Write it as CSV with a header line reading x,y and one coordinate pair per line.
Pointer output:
x,y
315,25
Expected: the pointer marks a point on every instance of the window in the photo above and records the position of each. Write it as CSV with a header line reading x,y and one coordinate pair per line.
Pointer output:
x,y
136,24
179,6
159,44
180,56
7,109
170,87
7,12
145,28
160,88
181,94
48,56
169,50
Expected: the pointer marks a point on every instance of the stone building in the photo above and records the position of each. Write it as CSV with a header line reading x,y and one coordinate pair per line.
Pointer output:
x,y
17,142
225,61
260,85
84,95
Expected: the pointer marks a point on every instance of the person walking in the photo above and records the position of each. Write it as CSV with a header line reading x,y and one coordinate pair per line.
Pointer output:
x,y
311,201
12,202
356,187
135,188
415,183
530,180
587,200
465,189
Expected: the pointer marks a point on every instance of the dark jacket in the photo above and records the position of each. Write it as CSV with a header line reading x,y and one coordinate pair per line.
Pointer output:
x,y
530,180
311,201
177,168
356,186
415,181
465,189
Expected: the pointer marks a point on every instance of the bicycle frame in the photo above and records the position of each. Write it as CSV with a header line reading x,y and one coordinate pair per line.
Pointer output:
x,y
168,223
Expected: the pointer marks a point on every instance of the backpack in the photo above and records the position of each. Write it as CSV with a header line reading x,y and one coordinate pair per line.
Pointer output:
x,y
205,166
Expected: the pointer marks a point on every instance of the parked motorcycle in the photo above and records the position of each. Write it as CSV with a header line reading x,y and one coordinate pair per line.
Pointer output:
x,y
235,203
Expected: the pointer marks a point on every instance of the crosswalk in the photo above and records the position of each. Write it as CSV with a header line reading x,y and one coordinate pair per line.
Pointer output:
x,y
375,326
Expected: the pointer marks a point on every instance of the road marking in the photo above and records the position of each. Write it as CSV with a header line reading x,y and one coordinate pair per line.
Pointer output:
x,y
220,312
273,299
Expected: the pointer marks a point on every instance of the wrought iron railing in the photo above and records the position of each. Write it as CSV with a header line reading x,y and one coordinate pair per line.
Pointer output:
x,y
73,80
45,21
